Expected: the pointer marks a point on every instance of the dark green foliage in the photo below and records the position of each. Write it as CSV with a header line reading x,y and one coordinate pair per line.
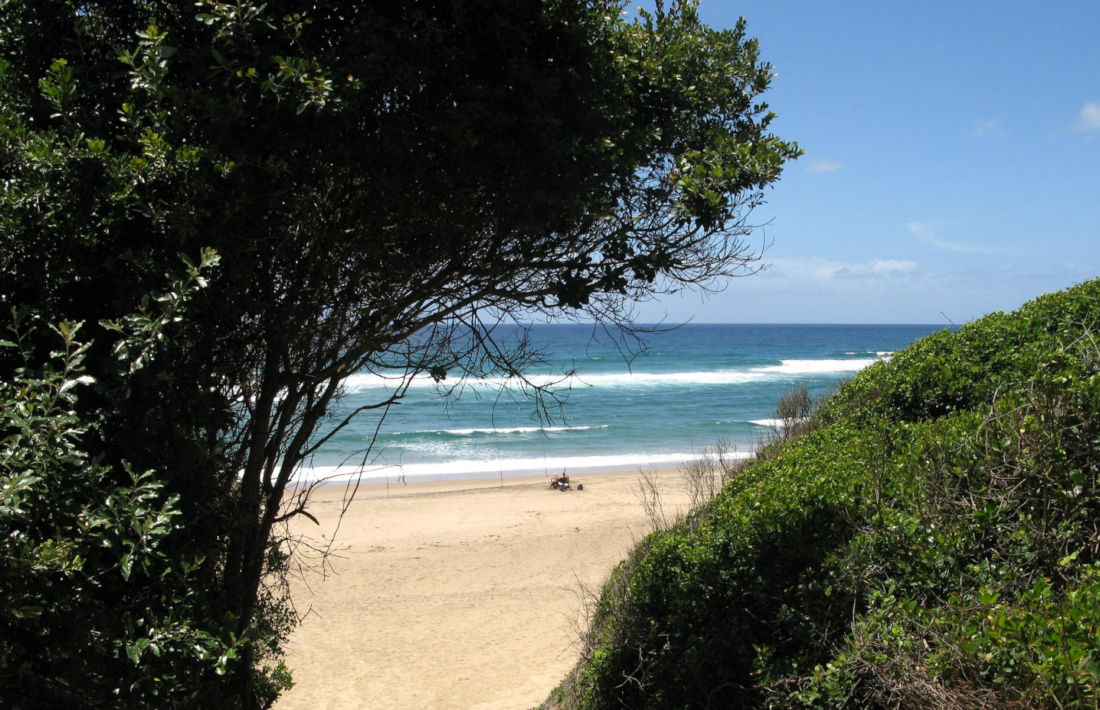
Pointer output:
x,y
934,545
104,597
733,584
383,182
948,371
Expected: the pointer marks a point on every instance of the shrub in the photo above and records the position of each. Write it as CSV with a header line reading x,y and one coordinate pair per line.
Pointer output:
x,y
932,542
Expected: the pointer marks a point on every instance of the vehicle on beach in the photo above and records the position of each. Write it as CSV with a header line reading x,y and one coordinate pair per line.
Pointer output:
x,y
560,483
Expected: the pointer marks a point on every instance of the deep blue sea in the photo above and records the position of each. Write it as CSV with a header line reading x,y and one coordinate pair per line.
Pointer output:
x,y
691,387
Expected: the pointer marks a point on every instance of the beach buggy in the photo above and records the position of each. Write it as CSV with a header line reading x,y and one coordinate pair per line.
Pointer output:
x,y
561,483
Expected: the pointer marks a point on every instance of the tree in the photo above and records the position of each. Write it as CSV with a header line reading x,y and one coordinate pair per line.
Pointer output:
x,y
383,183
85,574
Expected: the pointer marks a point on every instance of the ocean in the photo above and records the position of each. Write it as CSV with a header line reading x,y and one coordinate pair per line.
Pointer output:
x,y
689,388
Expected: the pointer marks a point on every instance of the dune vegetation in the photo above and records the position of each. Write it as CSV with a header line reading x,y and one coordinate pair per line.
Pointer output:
x,y
929,539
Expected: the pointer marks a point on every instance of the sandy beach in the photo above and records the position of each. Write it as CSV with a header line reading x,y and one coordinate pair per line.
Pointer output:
x,y
458,594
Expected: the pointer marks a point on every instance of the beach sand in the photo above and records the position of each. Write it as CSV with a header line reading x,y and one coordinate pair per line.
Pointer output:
x,y
458,594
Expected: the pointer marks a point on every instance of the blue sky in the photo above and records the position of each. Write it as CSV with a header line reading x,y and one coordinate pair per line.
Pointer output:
x,y
952,162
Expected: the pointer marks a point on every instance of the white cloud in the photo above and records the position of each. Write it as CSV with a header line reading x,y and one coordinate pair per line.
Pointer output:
x,y
816,268
891,266
824,165
925,232
1088,120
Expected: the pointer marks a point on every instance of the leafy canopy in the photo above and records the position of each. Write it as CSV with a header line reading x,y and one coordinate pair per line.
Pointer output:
x,y
382,183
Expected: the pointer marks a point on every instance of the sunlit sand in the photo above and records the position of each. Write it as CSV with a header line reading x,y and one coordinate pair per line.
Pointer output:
x,y
459,594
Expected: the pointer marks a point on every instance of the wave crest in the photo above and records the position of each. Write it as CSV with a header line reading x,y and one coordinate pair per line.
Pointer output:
x,y
364,381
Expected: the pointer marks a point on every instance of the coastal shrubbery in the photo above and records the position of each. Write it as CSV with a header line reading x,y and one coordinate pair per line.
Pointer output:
x,y
932,541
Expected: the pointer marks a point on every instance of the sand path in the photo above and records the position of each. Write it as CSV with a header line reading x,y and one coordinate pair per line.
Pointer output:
x,y
459,594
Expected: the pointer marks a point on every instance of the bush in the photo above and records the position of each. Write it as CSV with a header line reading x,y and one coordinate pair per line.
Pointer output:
x,y
934,543
80,544
104,590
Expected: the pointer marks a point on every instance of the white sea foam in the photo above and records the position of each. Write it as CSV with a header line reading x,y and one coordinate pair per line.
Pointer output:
x,y
657,379
391,382
514,430
882,354
365,381
471,468
815,367
494,431
774,423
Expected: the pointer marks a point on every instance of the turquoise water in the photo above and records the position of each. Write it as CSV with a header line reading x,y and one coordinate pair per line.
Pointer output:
x,y
690,387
